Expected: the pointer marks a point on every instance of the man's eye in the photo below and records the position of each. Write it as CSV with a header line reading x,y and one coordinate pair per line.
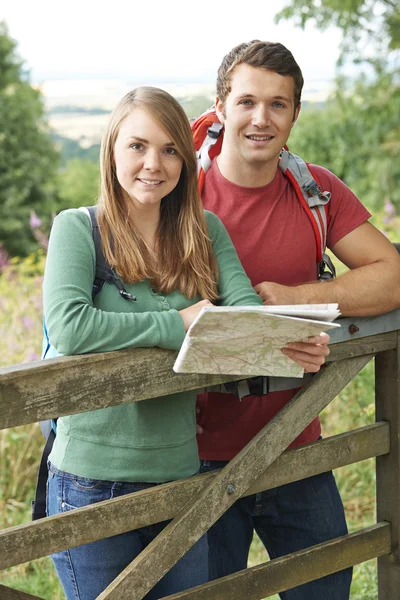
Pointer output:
x,y
279,105
246,102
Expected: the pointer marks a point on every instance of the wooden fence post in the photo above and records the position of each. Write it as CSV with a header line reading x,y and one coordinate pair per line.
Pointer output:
x,y
387,394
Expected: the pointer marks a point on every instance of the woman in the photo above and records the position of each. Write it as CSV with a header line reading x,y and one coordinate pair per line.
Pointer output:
x,y
173,259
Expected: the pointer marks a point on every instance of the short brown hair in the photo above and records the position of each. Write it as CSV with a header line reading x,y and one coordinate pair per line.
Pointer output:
x,y
271,56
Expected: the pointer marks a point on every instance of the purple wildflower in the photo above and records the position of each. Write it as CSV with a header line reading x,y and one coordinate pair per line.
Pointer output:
x,y
27,321
34,220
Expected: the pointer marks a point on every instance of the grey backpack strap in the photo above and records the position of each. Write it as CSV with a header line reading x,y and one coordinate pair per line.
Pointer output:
x,y
294,167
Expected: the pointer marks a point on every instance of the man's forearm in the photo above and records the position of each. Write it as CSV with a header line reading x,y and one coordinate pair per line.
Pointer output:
x,y
369,290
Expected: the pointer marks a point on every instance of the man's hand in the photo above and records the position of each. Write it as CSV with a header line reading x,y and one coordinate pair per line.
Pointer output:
x,y
274,293
309,354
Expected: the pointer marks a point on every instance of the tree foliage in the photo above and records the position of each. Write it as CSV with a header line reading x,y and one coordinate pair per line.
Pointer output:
x,y
357,134
370,27
28,160
79,183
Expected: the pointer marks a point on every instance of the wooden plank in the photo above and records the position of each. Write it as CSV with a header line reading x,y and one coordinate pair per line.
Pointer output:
x,y
7,593
358,347
295,569
75,384
387,392
361,327
33,540
232,481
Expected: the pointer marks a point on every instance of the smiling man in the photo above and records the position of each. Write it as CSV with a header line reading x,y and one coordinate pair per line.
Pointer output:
x,y
258,101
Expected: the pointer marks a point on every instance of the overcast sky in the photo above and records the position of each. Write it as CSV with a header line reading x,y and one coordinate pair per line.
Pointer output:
x,y
173,40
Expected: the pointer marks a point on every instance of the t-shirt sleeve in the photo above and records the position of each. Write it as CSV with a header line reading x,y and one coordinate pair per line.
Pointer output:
x,y
234,286
346,212
74,324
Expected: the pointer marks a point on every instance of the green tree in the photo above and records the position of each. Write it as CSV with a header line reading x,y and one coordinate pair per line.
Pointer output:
x,y
28,160
79,183
356,135
370,27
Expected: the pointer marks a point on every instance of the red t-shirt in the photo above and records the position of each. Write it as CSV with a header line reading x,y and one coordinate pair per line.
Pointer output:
x,y
275,241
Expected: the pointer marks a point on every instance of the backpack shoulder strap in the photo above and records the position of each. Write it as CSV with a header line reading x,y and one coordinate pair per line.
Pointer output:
x,y
104,271
207,134
314,201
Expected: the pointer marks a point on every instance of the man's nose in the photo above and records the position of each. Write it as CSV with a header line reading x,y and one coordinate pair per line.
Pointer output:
x,y
261,116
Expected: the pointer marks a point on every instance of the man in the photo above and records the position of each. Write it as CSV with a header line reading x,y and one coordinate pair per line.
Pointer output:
x,y
258,101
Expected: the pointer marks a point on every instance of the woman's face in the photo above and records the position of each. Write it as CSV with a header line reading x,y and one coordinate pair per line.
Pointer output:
x,y
147,163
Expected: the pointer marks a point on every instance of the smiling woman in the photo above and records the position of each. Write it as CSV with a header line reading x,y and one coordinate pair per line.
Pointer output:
x,y
147,163
149,198
173,259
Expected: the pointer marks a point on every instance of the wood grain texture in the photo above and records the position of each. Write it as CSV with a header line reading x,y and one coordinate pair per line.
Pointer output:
x,y
198,516
295,569
75,384
40,538
387,394
7,593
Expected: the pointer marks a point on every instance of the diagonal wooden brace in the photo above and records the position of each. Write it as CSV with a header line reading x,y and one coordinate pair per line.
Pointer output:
x,y
202,512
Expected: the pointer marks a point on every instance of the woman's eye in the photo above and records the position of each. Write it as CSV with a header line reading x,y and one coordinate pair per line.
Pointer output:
x,y
136,146
170,151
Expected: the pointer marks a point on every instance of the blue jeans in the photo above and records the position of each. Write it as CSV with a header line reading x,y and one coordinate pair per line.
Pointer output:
x,y
286,519
87,570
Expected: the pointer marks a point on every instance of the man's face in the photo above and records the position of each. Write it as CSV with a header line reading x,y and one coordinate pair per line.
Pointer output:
x,y
258,115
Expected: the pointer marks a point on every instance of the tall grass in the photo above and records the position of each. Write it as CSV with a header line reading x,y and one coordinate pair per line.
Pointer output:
x,y
20,448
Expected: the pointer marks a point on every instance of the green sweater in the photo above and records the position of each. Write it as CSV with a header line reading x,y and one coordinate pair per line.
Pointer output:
x,y
152,441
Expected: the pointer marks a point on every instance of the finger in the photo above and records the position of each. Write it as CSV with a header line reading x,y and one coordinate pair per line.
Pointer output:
x,y
322,338
310,349
199,430
306,360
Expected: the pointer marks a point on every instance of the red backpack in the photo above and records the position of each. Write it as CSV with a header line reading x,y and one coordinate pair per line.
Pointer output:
x,y
208,135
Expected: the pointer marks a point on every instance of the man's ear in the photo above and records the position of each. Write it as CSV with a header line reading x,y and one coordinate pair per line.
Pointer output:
x,y
296,114
219,109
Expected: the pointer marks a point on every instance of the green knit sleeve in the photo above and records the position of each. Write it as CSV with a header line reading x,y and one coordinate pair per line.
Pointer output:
x,y
74,324
235,288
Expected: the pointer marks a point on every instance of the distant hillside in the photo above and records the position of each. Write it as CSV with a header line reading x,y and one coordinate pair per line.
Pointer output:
x,y
77,135
69,109
70,149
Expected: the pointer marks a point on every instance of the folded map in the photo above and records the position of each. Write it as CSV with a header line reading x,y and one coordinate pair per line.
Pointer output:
x,y
247,340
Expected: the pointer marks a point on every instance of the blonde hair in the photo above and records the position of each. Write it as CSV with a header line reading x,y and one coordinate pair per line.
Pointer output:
x,y
185,258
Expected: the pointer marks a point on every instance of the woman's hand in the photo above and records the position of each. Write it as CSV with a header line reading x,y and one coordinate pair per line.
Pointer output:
x,y
189,314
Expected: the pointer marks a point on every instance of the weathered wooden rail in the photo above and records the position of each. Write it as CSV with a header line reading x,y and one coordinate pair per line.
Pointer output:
x,y
68,385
